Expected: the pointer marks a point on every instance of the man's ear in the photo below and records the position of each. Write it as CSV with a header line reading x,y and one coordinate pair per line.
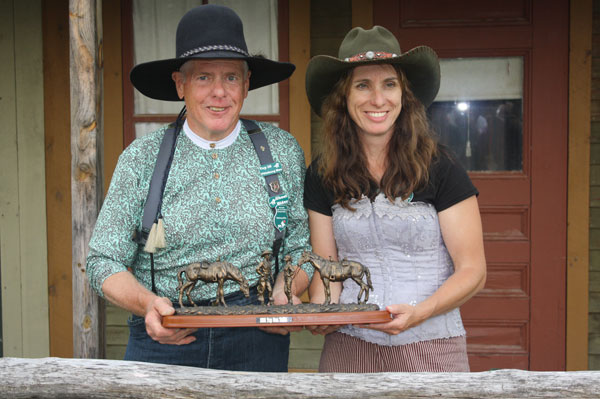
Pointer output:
x,y
178,79
247,84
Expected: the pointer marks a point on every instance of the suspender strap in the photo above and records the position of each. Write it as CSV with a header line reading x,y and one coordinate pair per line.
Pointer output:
x,y
261,146
157,184
157,188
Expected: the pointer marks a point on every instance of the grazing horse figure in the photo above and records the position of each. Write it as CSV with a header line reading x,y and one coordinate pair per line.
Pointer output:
x,y
339,271
216,272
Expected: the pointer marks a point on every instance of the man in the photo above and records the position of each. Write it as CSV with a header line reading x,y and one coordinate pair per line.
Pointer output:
x,y
215,203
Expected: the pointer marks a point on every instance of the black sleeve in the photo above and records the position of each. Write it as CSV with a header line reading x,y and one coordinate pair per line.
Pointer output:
x,y
450,181
316,197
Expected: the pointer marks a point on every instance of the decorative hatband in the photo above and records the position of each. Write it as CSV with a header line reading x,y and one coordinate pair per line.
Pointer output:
x,y
370,55
204,49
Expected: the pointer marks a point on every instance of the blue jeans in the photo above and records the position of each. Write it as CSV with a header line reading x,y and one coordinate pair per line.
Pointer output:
x,y
240,348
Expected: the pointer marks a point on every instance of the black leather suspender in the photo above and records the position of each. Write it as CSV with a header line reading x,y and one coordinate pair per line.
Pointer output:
x,y
261,146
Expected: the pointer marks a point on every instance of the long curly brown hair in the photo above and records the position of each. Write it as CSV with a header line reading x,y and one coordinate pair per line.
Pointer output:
x,y
342,162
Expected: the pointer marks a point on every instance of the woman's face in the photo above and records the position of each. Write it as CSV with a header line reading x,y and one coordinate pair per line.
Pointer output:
x,y
375,99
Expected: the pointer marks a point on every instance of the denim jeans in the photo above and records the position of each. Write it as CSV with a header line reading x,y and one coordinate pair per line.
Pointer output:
x,y
240,348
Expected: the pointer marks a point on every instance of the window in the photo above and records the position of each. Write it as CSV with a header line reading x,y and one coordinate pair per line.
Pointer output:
x,y
478,112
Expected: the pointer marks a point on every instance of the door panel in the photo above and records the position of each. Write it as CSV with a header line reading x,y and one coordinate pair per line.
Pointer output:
x,y
518,319
433,13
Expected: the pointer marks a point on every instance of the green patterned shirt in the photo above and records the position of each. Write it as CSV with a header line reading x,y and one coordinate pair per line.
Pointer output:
x,y
215,205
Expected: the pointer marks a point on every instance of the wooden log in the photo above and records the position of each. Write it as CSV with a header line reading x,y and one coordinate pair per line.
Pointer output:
x,y
86,168
88,378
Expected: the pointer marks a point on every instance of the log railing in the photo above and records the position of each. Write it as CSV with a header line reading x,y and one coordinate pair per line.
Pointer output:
x,y
90,378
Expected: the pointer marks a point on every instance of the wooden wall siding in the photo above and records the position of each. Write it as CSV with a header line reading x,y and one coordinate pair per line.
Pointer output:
x,y
330,21
113,87
9,192
299,55
594,275
580,59
117,332
22,197
58,182
305,351
362,13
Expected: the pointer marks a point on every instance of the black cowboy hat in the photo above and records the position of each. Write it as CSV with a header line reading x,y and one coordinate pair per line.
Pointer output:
x,y
206,32
374,46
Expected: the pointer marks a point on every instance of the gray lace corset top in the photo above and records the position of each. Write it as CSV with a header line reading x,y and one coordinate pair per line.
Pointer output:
x,y
402,246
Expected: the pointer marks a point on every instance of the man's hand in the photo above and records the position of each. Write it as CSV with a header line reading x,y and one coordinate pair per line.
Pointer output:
x,y
323,330
158,308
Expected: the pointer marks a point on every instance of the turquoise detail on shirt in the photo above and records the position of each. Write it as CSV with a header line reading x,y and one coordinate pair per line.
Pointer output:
x,y
215,206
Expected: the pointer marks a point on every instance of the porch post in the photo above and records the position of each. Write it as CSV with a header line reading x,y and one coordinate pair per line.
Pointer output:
x,y
85,22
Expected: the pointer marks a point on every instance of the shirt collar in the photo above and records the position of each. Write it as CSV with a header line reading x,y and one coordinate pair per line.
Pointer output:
x,y
209,145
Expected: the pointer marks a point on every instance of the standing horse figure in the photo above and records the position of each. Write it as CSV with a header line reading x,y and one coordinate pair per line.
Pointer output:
x,y
216,272
339,271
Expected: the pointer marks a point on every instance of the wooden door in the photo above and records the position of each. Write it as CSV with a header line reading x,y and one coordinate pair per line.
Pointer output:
x,y
518,320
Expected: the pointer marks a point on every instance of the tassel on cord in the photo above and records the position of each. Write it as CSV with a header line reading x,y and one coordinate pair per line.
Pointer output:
x,y
150,246
160,234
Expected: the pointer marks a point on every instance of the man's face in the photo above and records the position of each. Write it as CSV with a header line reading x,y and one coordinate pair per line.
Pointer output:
x,y
214,92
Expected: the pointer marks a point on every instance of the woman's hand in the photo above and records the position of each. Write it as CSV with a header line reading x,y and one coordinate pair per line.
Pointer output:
x,y
404,316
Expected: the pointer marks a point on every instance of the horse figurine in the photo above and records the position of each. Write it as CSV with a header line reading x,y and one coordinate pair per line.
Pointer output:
x,y
331,270
216,272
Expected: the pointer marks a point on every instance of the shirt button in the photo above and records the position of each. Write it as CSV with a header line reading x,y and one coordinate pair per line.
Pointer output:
x,y
216,176
218,200
212,145
214,155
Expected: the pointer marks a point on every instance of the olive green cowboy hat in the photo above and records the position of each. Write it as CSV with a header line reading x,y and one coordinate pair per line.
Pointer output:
x,y
374,46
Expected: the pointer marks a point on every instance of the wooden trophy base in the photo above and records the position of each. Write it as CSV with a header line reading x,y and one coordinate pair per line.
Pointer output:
x,y
284,315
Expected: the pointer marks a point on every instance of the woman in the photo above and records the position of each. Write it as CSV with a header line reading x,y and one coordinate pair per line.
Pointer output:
x,y
382,192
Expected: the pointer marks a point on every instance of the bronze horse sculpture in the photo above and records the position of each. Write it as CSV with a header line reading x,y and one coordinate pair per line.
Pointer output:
x,y
331,270
216,272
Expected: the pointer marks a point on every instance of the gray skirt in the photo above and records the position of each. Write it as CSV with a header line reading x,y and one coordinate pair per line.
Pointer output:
x,y
343,353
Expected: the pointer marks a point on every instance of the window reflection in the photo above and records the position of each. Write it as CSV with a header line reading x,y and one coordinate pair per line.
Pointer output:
x,y
478,112
484,135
